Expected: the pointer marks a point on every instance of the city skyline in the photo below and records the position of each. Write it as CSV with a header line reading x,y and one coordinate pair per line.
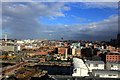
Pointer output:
x,y
53,20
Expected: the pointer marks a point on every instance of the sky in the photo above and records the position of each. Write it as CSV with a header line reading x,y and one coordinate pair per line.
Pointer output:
x,y
53,20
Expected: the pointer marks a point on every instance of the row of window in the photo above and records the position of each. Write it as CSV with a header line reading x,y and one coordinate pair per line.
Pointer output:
x,y
95,65
112,75
98,75
112,58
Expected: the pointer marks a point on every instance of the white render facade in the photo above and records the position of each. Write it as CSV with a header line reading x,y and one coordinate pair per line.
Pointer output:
x,y
80,72
106,73
93,68
80,68
95,65
113,65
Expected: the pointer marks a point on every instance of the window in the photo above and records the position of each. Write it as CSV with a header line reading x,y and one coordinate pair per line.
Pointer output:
x,y
109,75
95,65
111,65
97,75
75,70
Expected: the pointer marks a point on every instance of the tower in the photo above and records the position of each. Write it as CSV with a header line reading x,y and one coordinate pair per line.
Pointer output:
x,y
5,36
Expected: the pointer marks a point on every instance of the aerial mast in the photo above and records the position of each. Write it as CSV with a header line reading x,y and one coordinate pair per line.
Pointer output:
x,y
5,36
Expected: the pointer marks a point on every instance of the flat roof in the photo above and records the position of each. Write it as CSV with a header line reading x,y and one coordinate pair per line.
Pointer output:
x,y
94,62
106,71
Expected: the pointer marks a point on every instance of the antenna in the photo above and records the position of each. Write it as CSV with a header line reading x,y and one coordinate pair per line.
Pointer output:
x,y
5,36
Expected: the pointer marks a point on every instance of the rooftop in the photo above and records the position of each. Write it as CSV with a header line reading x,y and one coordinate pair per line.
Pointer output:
x,y
78,63
107,71
113,62
113,53
94,62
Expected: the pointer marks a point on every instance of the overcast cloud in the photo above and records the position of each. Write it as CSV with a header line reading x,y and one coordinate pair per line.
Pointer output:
x,y
20,20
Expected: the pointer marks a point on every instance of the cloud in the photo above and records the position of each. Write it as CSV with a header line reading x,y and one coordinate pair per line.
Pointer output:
x,y
99,0
47,31
66,8
101,4
102,30
33,9
20,20
98,30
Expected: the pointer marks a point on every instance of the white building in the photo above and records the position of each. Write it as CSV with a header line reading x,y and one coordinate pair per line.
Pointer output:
x,y
106,73
73,51
113,65
76,51
29,46
75,45
20,42
80,68
94,65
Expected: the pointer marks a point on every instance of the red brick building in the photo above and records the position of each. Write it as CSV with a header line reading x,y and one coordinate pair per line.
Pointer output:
x,y
113,57
62,50
41,53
